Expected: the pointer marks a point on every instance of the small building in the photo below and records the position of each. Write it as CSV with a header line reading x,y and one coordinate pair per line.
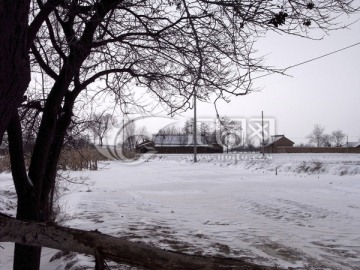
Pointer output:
x,y
182,144
277,142
145,147
352,144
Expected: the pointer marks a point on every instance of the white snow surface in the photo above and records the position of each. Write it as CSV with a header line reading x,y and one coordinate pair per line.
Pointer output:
x,y
295,211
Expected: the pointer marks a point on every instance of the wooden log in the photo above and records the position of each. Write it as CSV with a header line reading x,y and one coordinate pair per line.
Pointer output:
x,y
110,248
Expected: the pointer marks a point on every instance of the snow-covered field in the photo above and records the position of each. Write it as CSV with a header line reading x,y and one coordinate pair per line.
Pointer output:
x,y
293,210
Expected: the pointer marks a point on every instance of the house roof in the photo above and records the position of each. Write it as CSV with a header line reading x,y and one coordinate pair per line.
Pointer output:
x,y
277,138
176,140
145,143
352,144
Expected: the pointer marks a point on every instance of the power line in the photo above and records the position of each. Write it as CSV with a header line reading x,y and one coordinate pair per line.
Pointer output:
x,y
311,60
322,56
296,65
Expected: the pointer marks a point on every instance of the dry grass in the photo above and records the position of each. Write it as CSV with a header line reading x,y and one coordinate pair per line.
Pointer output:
x,y
70,159
311,167
80,159
4,162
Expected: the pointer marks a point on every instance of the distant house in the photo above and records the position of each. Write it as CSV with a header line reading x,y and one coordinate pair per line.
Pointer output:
x,y
281,144
277,142
178,143
174,140
352,144
145,147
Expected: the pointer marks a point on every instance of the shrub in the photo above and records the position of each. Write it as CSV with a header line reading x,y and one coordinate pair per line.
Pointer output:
x,y
313,166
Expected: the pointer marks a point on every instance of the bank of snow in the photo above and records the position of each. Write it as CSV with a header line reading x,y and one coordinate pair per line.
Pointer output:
x,y
336,164
275,211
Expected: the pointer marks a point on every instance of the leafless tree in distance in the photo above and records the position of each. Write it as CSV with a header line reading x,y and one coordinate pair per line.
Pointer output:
x,y
338,137
100,125
317,135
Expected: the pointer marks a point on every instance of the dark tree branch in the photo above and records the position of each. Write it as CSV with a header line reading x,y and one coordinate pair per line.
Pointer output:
x,y
45,66
45,10
53,40
16,150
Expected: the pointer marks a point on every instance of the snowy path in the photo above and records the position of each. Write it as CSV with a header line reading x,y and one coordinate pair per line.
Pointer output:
x,y
290,219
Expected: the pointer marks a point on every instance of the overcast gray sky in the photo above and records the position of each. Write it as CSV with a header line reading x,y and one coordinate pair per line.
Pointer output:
x,y
325,91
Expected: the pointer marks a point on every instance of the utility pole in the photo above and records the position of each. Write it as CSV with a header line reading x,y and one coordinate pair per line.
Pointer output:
x,y
262,133
123,127
194,129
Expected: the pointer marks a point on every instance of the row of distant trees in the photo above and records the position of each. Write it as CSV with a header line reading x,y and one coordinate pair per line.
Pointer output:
x,y
225,131
81,134
321,139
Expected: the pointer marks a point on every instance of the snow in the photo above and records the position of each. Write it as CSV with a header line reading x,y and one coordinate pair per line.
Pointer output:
x,y
289,210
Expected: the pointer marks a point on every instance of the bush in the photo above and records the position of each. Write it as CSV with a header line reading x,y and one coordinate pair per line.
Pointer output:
x,y
313,166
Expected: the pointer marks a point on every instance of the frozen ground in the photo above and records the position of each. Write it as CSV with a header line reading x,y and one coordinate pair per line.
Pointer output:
x,y
296,211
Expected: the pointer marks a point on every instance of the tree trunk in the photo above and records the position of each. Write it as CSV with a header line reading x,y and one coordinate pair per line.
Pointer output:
x,y
16,37
47,193
110,248
25,257
35,200
14,58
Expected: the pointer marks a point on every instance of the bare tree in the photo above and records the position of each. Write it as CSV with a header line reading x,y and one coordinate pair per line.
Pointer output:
x,y
326,140
317,135
229,132
160,137
170,130
183,138
100,124
170,134
205,132
188,126
169,49
338,137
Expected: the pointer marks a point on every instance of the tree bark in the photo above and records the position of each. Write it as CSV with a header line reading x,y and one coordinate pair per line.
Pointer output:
x,y
47,193
14,58
111,248
16,37
25,257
